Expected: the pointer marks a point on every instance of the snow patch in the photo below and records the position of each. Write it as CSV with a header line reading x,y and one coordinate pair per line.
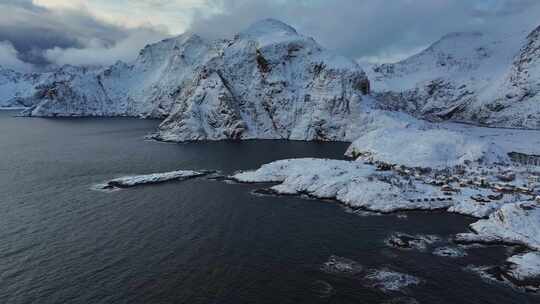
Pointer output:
x,y
428,148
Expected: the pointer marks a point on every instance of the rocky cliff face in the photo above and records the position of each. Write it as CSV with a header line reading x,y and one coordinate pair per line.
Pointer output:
x,y
266,82
489,79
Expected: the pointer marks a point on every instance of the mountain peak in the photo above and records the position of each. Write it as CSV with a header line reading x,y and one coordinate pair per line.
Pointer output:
x,y
269,26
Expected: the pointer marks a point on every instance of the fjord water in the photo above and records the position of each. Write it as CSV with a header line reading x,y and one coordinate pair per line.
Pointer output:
x,y
198,241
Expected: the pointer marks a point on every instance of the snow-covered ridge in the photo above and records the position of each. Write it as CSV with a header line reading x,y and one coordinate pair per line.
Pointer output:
x,y
484,78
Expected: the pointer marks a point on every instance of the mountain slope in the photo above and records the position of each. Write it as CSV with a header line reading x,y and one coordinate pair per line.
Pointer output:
x,y
489,79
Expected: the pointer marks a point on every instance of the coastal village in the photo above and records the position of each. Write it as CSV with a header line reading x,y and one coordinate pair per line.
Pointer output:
x,y
517,182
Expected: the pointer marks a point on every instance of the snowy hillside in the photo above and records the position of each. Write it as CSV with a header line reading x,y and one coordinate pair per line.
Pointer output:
x,y
486,78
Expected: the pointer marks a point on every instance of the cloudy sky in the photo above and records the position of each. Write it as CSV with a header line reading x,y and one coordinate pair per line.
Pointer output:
x,y
38,34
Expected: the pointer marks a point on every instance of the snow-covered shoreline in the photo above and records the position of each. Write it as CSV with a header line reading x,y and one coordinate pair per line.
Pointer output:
x,y
524,269
517,223
382,189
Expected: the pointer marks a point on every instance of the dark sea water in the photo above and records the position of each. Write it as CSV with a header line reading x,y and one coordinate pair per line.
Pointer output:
x,y
198,241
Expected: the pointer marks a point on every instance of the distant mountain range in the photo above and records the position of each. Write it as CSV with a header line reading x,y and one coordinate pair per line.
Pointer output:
x,y
271,82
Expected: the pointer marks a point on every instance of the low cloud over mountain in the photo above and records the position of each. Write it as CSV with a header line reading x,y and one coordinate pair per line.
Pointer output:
x,y
41,36
41,33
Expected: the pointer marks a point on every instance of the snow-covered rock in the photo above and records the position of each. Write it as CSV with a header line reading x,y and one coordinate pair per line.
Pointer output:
x,y
525,266
383,279
520,270
486,78
341,265
517,223
391,281
426,148
154,178
524,270
451,252
406,241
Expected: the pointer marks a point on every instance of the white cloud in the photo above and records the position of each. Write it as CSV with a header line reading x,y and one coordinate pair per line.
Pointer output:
x,y
96,52
78,31
174,15
68,33
374,30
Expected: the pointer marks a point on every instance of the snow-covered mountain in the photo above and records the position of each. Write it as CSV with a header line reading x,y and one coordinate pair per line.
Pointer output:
x,y
26,90
266,82
269,82
147,87
485,78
